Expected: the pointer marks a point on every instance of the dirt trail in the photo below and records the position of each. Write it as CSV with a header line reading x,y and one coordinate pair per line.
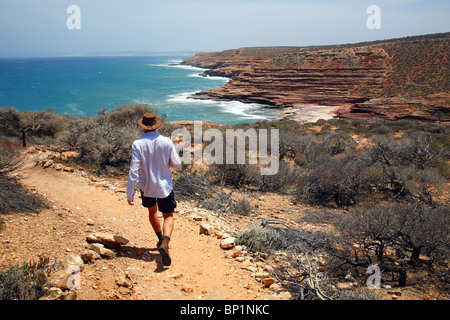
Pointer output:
x,y
200,268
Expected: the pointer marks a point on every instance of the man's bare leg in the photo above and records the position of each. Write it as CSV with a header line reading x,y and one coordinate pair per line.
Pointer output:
x,y
168,224
163,245
167,228
154,219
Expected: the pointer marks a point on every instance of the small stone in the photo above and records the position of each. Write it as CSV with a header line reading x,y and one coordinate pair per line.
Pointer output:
x,y
101,250
89,255
227,243
54,293
123,281
187,289
344,285
226,235
66,273
262,275
268,282
175,276
206,228
284,295
107,239
237,251
252,269
69,295
47,163
219,234
275,287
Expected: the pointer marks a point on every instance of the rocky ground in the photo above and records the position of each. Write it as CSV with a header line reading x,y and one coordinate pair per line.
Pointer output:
x,y
203,266
88,210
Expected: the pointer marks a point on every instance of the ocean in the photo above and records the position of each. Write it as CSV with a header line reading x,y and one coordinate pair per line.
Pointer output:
x,y
81,86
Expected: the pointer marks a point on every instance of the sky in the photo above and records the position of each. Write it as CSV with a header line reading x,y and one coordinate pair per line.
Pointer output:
x,y
30,28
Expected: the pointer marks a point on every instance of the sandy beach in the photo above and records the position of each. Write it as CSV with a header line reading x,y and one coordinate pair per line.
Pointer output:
x,y
309,113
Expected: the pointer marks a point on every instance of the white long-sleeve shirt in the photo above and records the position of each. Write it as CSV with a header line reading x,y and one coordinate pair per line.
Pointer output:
x,y
152,156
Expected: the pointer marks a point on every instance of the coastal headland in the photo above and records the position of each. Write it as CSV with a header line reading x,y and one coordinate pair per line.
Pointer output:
x,y
405,78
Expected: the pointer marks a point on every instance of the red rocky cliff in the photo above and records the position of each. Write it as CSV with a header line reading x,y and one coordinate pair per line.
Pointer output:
x,y
400,78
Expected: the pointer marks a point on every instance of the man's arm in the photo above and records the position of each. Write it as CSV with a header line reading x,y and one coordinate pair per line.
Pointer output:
x,y
133,174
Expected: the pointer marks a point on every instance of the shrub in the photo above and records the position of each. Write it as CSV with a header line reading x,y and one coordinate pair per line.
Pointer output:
x,y
24,282
106,144
300,271
39,126
424,151
423,185
262,238
235,175
127,115
13,197
336,143
286,176
11,157
333,179
369,235
106,139
242,207
191,186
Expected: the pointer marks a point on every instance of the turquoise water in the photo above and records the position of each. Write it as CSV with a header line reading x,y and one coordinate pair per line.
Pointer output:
x,y
83,85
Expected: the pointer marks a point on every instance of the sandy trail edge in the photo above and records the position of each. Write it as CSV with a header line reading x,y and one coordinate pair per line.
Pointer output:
x,y
200,269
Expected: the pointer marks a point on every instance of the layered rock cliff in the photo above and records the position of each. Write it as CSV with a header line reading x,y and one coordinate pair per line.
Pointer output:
x,y
400,78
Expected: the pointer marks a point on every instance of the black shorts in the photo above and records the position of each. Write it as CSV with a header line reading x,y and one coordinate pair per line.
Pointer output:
x,y
165,205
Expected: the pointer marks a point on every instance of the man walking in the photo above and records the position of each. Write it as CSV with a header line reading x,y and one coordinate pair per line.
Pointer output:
x,y
152,156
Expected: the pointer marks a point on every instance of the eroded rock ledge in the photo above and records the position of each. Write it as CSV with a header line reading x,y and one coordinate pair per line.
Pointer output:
x,y
396,79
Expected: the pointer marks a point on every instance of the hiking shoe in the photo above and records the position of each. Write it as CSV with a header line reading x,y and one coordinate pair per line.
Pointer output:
x,y
164,251
159,243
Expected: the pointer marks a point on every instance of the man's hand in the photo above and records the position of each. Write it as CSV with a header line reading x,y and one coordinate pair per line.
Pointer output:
x,y
131,203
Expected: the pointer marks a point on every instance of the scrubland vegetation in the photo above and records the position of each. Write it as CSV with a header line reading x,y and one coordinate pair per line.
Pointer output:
x,y
381,187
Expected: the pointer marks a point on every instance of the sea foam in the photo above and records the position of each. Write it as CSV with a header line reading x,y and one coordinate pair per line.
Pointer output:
x,y
251,111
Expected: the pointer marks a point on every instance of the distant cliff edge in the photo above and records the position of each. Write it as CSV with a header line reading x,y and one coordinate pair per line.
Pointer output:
x,y
406,78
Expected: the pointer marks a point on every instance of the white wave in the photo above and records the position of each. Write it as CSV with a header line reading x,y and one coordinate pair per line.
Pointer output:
x,y
217,78
170,64
142,101
184,97
198,71
245,110
74,111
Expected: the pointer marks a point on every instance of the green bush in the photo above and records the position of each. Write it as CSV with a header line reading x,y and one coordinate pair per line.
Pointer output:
x,y
24,282
259,238
105,139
